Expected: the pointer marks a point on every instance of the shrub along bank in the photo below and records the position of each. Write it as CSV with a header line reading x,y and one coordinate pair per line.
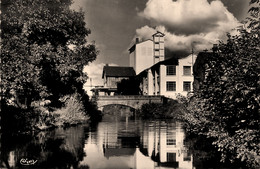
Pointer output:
x,y
170,110
42,117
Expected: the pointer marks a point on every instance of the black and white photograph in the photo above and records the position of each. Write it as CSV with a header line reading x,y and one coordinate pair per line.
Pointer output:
x,y
130,84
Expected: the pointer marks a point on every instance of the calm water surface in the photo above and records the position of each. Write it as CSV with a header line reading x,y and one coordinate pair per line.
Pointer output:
x,y
118,142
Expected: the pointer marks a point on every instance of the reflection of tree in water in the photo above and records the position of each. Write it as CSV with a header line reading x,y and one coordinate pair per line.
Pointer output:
x,y
205,155
8,145
60,148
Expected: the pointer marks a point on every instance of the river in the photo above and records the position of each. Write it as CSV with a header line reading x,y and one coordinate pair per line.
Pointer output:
x,y
119,141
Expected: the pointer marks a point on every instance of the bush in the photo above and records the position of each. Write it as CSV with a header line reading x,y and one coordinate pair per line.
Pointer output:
x,y
170,110
91,108
72,113
42,116
44,119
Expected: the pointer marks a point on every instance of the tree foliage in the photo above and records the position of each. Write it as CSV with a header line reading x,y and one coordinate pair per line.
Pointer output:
x,y
128,87
43,48
227,105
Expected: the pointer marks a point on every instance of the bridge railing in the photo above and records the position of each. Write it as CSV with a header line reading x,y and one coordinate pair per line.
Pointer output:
x,y
131,97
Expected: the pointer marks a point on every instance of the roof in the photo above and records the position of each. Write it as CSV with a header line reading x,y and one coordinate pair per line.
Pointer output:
x,y
171,61
160,33
117,71
104,89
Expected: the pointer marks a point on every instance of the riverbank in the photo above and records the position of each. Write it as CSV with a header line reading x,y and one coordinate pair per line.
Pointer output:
x,y
171,110
44,117
240,147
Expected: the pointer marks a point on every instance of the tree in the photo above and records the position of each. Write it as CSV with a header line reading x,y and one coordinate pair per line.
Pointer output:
x,y
39,38
128,87
227,104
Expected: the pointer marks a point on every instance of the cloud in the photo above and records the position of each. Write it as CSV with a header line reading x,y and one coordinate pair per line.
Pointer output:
x,y
94,72
187,16
187,23
77,5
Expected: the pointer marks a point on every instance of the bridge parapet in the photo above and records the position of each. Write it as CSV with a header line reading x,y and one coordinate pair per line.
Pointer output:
x,y
134,101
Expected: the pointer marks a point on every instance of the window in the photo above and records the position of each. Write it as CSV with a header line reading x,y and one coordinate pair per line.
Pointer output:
x,y
171,142
186,86
161,39
187,70
157,53
170,136
157,46
156,39
171,70
171,86
161,52
171,157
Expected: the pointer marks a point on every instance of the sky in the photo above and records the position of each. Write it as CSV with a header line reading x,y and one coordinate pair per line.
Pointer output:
x,y
187,24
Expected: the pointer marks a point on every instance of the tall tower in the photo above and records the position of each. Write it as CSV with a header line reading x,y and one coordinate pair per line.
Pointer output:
x,y
158,39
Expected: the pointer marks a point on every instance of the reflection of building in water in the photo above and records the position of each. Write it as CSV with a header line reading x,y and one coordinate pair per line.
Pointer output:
x,y
119,135
115,147
163,142
124,144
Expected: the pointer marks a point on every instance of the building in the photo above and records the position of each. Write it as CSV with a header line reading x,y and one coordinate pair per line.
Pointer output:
x,y
169,77
143,55
111,76
114,74
159,76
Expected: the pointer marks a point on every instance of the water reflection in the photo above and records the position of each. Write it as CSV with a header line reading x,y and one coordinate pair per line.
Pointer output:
x,y
60,148
118,142
164,143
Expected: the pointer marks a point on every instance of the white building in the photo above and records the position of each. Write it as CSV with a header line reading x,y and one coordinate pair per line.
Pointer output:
x,y
168,78
159,76
147,53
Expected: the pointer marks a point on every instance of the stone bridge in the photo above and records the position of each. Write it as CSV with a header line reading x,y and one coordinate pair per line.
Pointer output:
x,y
134,101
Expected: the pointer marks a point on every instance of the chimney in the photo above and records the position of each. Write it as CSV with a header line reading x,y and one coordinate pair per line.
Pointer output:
x,y
136,40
